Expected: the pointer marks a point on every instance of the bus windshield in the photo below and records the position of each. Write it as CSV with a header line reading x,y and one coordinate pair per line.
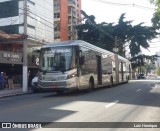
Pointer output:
x,y
57,59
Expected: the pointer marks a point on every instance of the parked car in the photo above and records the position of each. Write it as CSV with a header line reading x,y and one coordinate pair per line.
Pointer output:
x,y
141,76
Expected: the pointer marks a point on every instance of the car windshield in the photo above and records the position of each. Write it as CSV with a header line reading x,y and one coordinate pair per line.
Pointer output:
x,y
56,59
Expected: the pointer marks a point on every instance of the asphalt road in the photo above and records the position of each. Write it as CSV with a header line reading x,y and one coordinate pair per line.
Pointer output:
x,y
137,101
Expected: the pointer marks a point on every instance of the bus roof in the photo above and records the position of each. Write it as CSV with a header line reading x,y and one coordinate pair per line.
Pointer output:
x,y
83,44
76,42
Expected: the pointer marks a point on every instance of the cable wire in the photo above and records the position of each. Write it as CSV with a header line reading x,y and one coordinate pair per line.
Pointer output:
x,y
124,4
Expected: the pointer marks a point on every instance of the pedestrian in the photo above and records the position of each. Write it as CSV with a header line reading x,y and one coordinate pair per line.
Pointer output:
x,y
5,78
2,81
10,83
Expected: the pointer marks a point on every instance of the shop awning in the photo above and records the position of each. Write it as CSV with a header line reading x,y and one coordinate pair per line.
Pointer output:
x,y
4,36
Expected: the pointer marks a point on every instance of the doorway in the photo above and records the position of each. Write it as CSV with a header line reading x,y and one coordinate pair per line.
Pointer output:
x,y
99,70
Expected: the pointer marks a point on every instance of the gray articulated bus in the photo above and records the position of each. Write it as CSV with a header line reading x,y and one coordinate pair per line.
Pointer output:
x,y
79,65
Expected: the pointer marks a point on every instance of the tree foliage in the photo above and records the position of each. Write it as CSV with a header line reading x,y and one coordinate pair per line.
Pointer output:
x,y
139,36
104,34
142,60
158,71
156,16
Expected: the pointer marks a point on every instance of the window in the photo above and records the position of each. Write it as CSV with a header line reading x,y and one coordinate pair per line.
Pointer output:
x,y
9,9
56,28
56,37
56,6
56,15
72,2
12,29
69,10
31,26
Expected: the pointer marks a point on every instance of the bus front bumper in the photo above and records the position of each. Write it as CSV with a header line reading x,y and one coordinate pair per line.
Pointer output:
x,y
54,86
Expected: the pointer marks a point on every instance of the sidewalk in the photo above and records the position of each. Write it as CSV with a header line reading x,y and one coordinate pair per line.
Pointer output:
x,y
12,92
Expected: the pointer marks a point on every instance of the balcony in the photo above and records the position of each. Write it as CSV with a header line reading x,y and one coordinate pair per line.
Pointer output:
x,y
72,3
56,19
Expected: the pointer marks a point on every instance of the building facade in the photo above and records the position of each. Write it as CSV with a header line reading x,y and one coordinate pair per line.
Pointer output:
x,y
67,14
38,17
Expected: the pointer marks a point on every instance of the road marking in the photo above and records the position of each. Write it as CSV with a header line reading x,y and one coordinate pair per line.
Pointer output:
x,y
157,85
111,104
139,89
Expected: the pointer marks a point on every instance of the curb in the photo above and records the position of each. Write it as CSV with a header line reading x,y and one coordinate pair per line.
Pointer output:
x,y
15,94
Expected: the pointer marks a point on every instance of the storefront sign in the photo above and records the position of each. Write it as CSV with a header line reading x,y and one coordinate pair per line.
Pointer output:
x,y
13,56
10,57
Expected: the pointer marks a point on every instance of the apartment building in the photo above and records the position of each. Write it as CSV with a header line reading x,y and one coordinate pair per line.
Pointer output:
x,y
66,15
38,16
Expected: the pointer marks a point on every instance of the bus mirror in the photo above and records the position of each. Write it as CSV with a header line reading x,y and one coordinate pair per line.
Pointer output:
x,y
81,60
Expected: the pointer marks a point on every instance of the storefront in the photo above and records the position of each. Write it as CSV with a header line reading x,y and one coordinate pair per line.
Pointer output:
x,y
11,64
11,59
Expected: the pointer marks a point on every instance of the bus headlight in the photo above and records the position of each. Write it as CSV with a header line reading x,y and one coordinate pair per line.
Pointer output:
x,y
71,75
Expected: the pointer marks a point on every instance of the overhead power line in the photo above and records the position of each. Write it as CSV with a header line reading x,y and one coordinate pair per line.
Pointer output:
x,y
124,4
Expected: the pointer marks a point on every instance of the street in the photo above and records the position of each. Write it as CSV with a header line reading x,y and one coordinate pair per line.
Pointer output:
x,y
137,101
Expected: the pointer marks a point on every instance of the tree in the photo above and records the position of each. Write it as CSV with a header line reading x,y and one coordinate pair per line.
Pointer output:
x,y
121,31
103,34
88,31
139,36
158,71
140,60
156,16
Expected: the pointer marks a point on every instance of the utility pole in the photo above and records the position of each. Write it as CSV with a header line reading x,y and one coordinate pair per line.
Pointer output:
x,y
25,43
116,61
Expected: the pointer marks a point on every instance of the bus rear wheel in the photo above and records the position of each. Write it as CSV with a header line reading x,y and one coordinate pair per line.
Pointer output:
x,y
91,85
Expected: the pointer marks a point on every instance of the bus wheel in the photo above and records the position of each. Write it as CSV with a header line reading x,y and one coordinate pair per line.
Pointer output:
x,y
59,92
111,81
91,85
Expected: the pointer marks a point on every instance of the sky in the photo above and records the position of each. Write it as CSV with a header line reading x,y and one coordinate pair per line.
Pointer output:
x,y
110,10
